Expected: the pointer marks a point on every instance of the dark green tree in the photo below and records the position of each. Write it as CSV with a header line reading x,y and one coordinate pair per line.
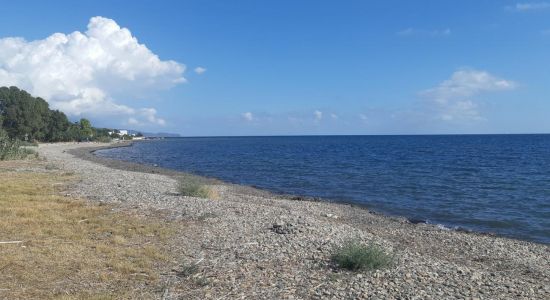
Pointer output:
x,y
25,117
57,127
86,131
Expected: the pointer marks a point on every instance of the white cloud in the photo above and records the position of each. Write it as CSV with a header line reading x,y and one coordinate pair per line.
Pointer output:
x,y
453,99
133,121
85,73
200,70
363,117
318,115
529,6
248,116
334,116
423,32
150,114
545,32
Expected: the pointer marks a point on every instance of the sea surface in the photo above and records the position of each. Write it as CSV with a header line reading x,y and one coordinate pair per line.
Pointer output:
x,y
487,183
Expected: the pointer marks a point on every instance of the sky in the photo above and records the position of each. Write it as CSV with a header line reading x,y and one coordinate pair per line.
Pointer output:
x,y
216,68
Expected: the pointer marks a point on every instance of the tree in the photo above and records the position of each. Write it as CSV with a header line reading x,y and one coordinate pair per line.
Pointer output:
x,y
86,131
57,127
25,117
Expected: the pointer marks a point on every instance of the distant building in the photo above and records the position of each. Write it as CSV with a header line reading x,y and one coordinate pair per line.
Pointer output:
x,y
123,132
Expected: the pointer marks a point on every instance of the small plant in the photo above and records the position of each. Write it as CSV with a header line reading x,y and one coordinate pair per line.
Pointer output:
x,y
191,187
201,281
355,256
188,270
50,167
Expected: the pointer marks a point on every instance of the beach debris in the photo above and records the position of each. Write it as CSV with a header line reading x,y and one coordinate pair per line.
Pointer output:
x,y
11,242
332,216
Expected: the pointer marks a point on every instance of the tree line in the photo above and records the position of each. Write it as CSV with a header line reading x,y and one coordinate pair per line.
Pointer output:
x,y
27,118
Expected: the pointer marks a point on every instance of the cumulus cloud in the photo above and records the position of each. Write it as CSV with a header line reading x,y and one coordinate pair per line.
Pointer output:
x,y
453,99
85,73
318,115
423,32
248,116
334,116
132,121
529,6
200,70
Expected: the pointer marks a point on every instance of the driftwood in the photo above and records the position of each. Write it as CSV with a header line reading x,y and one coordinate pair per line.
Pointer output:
x,y
11,242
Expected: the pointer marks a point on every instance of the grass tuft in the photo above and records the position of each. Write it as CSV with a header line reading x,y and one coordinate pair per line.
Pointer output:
x,y
193,187
188,270
355,256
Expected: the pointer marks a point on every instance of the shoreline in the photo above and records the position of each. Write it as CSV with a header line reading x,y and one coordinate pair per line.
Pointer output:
x,y
88,153
243,253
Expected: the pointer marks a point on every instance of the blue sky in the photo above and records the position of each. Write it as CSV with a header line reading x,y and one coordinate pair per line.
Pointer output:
x,y
286,67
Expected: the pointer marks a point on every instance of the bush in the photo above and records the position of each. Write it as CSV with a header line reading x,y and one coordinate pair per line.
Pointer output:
x,y
12,149
191,187
103,139
354,256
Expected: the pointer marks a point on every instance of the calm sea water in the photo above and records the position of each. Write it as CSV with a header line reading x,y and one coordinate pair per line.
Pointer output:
x,y
488,183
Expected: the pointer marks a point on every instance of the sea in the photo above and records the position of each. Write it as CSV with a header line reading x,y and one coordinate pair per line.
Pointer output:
x,y
498,184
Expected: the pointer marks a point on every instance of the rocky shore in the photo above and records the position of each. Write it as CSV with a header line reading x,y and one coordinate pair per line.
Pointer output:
x,y
251,244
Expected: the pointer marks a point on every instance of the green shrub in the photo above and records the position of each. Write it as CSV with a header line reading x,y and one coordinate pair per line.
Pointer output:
x,y
191,187
355,256
103,139
12,149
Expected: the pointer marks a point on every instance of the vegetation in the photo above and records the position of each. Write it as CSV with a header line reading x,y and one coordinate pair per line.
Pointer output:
x,y
192,186
63,248
12,149
26,118
355,256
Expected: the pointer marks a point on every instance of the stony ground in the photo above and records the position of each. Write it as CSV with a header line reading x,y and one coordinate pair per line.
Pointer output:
x,y
252,245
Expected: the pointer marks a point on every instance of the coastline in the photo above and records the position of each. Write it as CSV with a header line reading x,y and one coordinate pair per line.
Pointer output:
x,y
88,153
238,239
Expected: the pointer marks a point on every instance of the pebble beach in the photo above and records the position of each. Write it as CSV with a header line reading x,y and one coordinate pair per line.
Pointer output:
x,y
251,244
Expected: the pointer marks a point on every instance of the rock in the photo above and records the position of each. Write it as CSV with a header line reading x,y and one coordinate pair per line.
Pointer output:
x,y
462,270
476,276
281,227
278,224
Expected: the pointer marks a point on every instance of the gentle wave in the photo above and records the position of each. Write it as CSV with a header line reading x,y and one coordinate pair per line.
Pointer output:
x,y
487,183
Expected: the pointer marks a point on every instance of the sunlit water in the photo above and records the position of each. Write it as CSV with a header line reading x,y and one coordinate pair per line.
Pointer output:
x,y
488,183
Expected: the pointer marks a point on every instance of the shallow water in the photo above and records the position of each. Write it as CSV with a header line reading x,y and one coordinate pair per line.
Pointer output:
x,y
488,183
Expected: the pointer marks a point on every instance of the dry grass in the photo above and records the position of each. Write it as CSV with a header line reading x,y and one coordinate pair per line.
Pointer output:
x,y
194,186
70,249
